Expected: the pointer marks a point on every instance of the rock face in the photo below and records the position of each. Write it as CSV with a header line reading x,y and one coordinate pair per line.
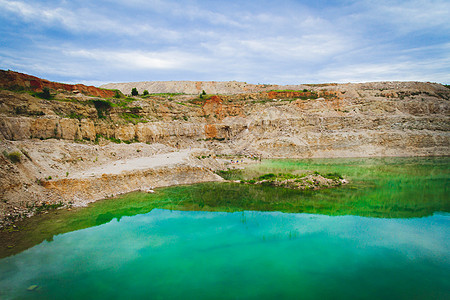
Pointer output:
x,y
15,80
50,173
92,189
379,119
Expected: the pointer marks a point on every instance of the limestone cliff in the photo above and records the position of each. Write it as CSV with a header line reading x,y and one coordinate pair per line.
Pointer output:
x,y
326,121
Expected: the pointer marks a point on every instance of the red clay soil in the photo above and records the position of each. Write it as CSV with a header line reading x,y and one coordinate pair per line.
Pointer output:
x,y
14,80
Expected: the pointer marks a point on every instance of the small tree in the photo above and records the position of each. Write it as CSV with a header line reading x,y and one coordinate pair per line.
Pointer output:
x,y
203,92
145,93
46,93
134,92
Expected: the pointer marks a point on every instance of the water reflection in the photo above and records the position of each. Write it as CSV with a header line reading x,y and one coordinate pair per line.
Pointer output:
x,y
381,188
252,255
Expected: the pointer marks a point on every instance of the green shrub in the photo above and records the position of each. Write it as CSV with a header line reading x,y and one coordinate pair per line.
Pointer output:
x,y
145,93
74,115
46,93
287,176
112,139
267,176
134,92
118,94
14,156
333,176
102,106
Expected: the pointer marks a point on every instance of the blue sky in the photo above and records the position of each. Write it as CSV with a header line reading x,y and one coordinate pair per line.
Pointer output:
x,y
283,42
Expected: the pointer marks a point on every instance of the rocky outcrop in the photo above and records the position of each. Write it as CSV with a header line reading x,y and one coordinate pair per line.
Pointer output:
x,y
19,81
83,191
53,172
215,109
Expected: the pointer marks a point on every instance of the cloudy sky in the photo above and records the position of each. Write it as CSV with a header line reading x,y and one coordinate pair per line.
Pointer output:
x,y
283,42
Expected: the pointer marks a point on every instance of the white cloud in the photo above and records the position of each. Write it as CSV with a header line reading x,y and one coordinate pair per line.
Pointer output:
x,y
130,59
305,48
403,17
427,70
273,43
84,20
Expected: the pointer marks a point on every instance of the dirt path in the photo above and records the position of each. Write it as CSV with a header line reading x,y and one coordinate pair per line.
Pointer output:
x,y
134,164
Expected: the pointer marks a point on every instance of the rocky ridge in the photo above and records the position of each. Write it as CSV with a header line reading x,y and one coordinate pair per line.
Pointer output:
x,y
19,81
192,87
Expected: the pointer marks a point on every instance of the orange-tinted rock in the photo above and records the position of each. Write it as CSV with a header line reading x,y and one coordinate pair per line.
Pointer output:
x,y
274,94
214,107
10,79
292,94
210,130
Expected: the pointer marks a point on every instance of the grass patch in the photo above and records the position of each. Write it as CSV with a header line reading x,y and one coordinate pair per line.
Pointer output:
x,y
231,174
112,139
74,115
123,102
133,118
45,206
269,176
333,176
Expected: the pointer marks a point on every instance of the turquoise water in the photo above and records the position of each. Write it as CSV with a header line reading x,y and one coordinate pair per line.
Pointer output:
x,y
384,236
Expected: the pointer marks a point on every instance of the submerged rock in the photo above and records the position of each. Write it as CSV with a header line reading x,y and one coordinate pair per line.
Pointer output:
x,y
32,287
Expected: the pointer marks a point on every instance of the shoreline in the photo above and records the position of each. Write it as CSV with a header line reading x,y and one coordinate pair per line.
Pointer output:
x,y
123,173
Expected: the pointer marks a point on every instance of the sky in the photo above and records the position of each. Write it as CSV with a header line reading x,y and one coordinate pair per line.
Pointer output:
x,y
277,42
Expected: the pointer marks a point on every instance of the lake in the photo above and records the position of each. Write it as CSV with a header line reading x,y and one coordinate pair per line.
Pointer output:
x,y
384,235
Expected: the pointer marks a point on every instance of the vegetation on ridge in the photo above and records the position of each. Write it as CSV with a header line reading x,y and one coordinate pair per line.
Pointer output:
x,y
304,181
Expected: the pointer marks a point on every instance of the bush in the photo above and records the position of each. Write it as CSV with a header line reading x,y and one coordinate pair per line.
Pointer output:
x,y
13,156
102,107
267,176
134,92
145,93
46,93
333,176
117,94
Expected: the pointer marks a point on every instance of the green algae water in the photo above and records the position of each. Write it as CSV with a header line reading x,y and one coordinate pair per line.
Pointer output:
x,y
384,235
